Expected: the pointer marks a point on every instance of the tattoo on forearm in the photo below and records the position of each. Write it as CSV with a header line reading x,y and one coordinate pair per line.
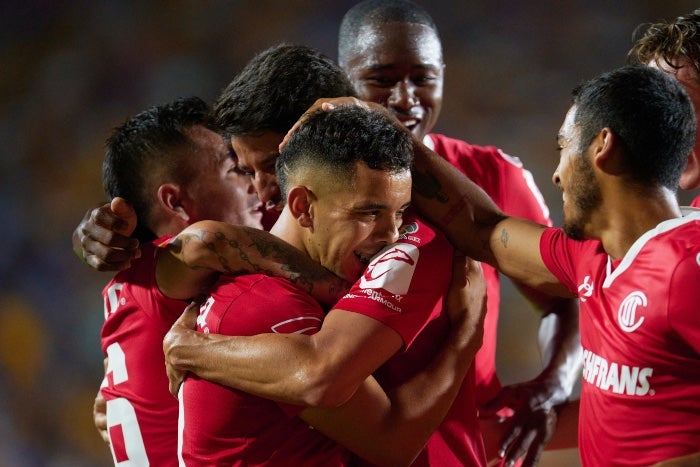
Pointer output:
x,y
428,186
253,251
505,237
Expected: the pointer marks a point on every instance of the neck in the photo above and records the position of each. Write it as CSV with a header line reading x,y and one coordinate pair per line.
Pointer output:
x,y
619,224
287,228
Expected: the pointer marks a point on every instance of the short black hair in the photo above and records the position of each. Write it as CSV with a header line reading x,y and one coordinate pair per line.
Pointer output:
x,y
337,140
275,88
649,111
149,142
378,12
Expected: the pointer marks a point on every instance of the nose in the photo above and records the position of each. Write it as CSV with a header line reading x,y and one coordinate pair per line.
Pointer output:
x,y
387,230
556,179
266,186
403,95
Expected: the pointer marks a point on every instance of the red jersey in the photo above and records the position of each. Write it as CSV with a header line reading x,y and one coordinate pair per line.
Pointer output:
x,y
513,190
403,287
224,426
141,412
640,331
696,202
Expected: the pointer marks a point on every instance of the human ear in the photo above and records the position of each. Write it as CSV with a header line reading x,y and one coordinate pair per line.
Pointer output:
x,y
606,154
170,199
299,203
690,178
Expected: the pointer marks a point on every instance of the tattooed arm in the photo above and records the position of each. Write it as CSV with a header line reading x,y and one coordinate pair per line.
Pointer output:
x,y
475,225
194,259
461,209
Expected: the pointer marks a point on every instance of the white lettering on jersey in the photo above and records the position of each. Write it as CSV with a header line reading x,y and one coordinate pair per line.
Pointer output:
x,y
616,377
377,297
585,289
391,269
627,313
204,310
111,299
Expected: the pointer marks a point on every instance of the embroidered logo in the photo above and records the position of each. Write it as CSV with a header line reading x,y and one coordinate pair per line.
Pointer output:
x,y
408,228
392,269
586,289
627,313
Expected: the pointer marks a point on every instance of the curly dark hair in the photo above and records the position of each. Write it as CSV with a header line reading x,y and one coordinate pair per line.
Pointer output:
x,y
668,41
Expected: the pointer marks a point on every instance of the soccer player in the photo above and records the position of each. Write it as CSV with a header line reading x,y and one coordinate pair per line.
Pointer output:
x,y
172,167
291,78
346,179
674,47
391,51
174,170
626,250
302,54
364,331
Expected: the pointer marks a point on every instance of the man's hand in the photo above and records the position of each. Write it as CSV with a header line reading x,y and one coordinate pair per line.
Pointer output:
x,y
102,239
181,334
533,421
326,104
99,416
466,300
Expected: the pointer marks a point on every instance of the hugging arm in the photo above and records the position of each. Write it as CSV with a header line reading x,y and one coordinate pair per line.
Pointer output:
x,y
476,226
392,427
205,249
102,239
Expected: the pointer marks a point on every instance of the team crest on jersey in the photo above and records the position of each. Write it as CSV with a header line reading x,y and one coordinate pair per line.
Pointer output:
x,y
392,269
628,314
410,228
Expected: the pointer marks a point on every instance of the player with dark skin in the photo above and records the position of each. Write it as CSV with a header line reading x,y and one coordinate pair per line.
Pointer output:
x,y
603,201
533,401
392,53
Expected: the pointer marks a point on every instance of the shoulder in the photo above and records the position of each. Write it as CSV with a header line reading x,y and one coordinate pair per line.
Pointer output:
x,y
456,148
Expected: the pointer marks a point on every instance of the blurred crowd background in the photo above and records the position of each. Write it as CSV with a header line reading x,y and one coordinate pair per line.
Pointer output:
x,y
72,70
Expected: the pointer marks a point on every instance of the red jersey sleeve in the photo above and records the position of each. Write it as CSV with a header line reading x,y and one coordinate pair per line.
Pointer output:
x,y
558,257
404,283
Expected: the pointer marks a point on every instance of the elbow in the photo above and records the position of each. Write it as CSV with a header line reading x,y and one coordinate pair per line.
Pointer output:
x,y
324,389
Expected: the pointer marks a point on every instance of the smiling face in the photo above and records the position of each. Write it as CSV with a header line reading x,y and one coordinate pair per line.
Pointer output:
x,y
399,65
219,191
575,176
354,219
257,155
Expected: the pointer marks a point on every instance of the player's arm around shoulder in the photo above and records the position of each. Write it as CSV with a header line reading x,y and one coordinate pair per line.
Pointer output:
x,y
212,247
514,249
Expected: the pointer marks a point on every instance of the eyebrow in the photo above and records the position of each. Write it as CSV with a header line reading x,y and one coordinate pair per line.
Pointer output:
x,y
422,66
372,205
